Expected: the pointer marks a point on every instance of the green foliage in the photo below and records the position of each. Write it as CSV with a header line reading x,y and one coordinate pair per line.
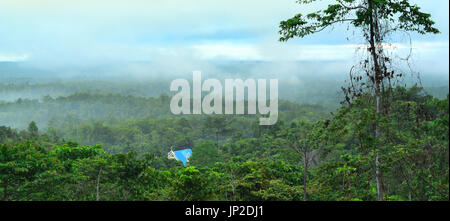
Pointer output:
x,y
206,154
401,14
267,163
33,129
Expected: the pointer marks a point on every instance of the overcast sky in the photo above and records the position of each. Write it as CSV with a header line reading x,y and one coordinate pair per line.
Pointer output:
x,y
71,32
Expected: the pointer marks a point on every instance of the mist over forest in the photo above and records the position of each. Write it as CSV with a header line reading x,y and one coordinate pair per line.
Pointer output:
x,y
104,93
363,113
313,82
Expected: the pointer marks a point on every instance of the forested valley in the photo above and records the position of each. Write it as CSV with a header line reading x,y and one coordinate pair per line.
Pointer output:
x,y
97,146
362,113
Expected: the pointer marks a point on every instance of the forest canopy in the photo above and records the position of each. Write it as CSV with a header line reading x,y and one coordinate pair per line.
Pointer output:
x,y
233,158
86,111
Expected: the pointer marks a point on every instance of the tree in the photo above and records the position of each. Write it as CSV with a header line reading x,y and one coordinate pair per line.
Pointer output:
x,y
33,129
190,184
376,19
413,152
219,124
300,137
206,154
19,163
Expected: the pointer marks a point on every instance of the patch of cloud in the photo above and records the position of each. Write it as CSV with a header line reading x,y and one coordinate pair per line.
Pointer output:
x,y
13,57
296,52
227,51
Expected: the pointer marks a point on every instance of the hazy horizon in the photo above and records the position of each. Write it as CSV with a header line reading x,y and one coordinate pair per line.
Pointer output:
x,y
71,35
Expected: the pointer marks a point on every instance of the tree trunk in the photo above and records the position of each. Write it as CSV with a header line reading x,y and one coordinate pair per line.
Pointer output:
x,y
377,80
232,184
217,140
305,175
98,185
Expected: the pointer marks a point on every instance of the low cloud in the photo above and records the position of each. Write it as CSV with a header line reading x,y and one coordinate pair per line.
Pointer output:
x,y
13,57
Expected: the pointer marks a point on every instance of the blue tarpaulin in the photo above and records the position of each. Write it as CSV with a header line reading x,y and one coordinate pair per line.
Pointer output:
x,y
183,155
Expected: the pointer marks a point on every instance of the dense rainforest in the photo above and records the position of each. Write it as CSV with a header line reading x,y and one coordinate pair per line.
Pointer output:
x,y
104,132
97,146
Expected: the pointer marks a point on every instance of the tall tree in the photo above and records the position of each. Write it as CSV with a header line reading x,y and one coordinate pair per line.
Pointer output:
x,y
376,19
219,125
33,129
298,139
